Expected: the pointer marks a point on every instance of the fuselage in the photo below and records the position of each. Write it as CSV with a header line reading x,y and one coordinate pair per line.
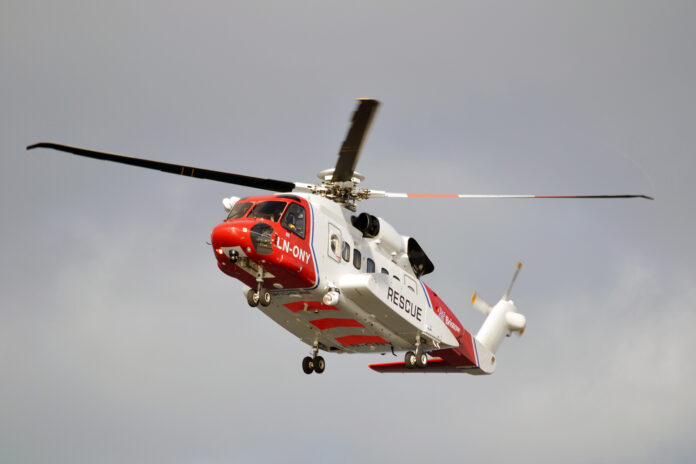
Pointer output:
x,y
303,246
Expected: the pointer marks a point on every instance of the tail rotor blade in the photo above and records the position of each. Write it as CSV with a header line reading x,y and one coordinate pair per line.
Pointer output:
x,y
514,276
480,304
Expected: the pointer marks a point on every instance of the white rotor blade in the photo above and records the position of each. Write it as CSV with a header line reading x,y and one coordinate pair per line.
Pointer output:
x,y
381,194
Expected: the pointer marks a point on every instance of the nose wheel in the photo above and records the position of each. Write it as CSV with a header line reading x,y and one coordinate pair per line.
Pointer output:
x,y
261,296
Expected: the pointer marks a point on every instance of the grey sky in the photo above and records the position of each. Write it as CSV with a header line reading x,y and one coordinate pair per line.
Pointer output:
x,y
120,341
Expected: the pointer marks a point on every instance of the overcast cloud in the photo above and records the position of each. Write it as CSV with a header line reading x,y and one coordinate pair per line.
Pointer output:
x,y
120,340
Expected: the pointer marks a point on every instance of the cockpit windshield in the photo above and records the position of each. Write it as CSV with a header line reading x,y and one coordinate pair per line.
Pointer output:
x,y
271,210
239,210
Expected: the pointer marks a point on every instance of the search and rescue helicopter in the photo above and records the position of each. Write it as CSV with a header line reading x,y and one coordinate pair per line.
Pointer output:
x,y
341,282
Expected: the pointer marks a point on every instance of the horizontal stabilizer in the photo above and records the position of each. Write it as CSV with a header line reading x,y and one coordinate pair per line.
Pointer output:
x,y
434,365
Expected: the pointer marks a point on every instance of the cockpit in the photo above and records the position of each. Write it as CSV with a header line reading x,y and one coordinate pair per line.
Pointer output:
x,y
291,214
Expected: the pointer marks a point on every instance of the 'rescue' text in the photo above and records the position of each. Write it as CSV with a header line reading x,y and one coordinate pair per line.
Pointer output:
x,y
401,302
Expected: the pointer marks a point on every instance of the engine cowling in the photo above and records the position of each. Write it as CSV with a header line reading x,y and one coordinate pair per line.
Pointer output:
x,y
367,224
404,250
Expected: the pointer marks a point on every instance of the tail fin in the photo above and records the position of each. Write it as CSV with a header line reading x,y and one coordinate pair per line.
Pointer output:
x,y
501,319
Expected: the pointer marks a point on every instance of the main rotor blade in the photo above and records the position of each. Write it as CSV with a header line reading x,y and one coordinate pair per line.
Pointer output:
x,y
229,178
379,194
350,150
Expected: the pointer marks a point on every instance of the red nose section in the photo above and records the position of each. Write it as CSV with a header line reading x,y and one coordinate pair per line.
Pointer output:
x,y
231,240
243,246
230,234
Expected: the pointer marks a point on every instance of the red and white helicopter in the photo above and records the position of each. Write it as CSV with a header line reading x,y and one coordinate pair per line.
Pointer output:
x,y
344,283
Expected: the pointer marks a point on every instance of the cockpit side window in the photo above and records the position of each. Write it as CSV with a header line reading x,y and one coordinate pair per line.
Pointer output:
x,y
270,210
239,210
295,220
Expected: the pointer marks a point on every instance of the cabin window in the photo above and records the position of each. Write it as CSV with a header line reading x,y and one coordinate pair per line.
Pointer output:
x,y
334,244
384,271
357,258
270,210
294,220
370,266
239,210
345,252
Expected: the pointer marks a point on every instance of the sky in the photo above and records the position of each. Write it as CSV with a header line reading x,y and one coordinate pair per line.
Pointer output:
x,y
120,340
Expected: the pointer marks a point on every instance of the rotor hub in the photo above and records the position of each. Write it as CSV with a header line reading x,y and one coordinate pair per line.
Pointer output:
x,y
345,193
327,174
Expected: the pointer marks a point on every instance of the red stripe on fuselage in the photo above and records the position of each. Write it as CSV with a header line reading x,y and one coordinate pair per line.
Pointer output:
x,y
298,306
332,323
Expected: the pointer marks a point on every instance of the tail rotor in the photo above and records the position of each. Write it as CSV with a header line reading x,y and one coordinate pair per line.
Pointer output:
x,y
501,319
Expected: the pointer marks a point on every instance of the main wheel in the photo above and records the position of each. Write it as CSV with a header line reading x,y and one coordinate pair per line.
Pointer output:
x,y
410,359
252,298
319,364
421,360
264,297
307,365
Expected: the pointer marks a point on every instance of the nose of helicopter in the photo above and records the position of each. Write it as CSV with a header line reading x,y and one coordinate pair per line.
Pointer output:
x,y
228,235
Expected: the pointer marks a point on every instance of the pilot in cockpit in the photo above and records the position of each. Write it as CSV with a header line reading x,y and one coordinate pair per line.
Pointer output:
x,y
294,219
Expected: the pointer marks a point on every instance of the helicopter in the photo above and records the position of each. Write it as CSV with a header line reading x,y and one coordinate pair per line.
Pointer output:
x,y
339,281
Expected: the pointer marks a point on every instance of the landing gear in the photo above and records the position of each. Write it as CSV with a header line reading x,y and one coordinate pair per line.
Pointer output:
x,y
319,364
307,365
314,363
252,298
417,359
410,359
260,295
264,297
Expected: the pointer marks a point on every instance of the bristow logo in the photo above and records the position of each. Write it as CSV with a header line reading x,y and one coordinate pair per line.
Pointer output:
x,y
446,319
